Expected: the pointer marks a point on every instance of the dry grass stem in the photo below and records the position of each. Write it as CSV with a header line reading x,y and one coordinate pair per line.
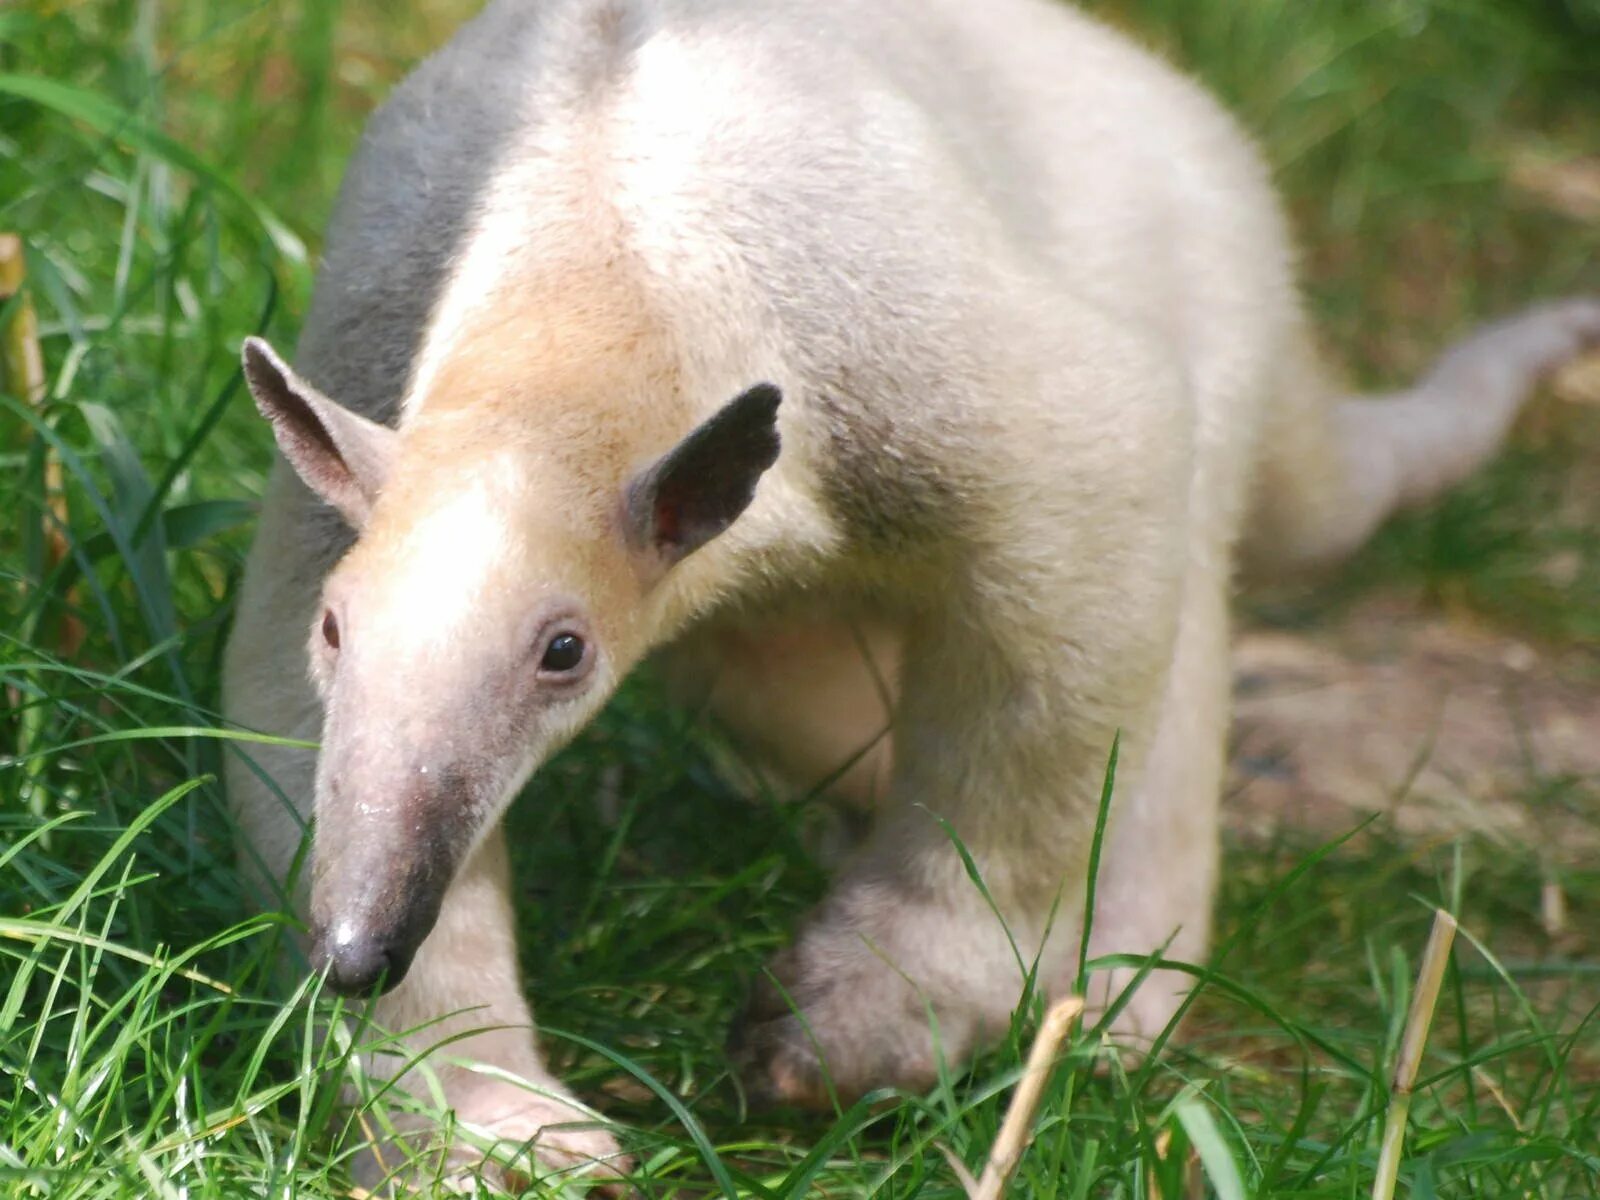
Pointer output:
x,y
1430,977
1013,1136
21,363
1553,908
22,374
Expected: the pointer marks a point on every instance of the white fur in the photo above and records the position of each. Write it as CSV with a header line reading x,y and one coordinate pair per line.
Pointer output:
x,y
1029,296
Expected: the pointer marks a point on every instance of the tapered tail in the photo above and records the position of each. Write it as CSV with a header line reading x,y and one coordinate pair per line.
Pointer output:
x,y
1332,468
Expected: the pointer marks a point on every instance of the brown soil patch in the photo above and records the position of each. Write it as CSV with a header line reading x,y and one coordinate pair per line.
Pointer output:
x,y
1450,727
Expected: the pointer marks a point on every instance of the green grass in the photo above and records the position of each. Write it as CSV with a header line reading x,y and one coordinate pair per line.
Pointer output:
x,y
166,165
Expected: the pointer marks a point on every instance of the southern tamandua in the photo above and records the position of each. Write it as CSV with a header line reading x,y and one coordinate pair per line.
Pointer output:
x,y
752,333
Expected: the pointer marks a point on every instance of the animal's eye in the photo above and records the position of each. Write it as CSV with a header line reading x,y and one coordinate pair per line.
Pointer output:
x,y
330,629
563,653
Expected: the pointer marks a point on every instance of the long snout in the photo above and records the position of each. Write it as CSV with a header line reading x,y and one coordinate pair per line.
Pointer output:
x,y
365,944
424,739
361,962
380,873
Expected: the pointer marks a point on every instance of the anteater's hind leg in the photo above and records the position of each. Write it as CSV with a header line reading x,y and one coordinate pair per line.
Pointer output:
x,y
1332,470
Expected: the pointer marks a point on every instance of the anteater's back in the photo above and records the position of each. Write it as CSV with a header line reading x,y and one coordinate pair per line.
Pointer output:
x,y
898,166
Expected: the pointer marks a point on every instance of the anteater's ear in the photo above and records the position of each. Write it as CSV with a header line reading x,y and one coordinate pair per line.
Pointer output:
x,y
694,491
341,455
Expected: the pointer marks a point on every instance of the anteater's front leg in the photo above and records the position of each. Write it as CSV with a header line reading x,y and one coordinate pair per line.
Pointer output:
x,y
463,997
1002,741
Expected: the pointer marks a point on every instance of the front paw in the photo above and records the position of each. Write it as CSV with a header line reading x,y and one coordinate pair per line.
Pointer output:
x,y
827,1024
505,1135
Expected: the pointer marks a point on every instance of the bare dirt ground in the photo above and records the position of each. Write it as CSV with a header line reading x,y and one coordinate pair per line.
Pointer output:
x,y
1450,726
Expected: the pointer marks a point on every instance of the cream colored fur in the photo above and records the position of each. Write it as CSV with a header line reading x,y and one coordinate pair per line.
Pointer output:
x,y
1028,295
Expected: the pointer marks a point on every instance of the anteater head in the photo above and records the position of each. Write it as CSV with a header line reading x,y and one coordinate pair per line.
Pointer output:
x,y
499,588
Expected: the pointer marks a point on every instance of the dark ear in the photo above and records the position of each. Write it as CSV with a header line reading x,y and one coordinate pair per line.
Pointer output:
x,y
695,490
342,456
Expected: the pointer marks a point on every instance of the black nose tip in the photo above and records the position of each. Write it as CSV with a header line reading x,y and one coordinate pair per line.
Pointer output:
x,y
358,964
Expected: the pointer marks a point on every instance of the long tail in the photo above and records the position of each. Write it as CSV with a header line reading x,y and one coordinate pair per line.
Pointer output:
x,y
1332,469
